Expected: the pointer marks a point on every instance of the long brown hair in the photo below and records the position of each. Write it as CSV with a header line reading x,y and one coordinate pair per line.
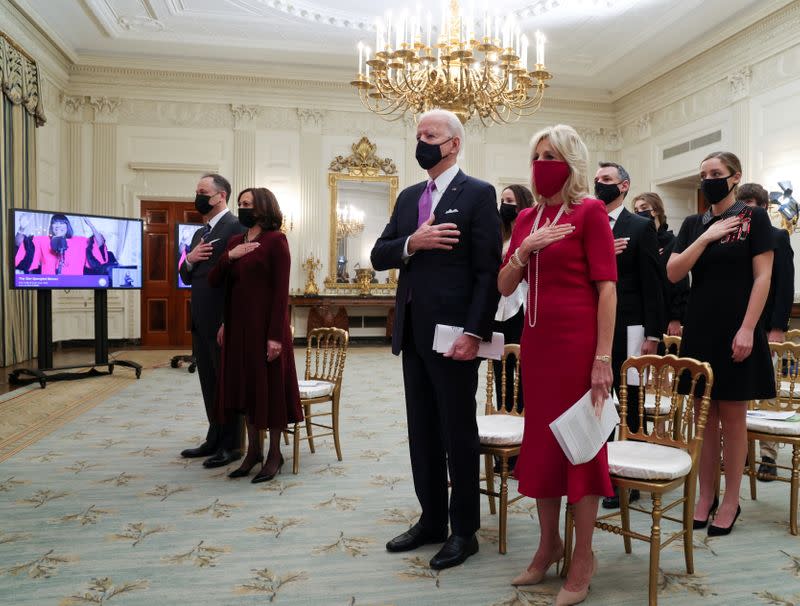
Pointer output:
x,y
524,199
656,204
265,208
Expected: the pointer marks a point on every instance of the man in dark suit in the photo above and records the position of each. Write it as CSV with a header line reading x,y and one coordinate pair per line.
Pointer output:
x,y
444,236
208,243
641,284
778,306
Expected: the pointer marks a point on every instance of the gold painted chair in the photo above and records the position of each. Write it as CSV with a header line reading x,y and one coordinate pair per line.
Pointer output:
x,y
661,461
500,434
783,432
326,352
672,344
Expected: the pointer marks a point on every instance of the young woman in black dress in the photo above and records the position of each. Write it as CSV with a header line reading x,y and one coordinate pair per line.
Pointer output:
x,y
728,251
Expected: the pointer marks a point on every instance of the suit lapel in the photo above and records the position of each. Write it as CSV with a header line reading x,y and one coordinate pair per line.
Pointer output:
x,y
621,224
449,197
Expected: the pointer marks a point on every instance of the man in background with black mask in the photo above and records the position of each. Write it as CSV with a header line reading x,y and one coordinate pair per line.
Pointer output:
x,y
641,281
208,243
444,236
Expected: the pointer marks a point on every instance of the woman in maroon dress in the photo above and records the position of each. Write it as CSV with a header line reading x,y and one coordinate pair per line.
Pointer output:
x,y
257,373
564,248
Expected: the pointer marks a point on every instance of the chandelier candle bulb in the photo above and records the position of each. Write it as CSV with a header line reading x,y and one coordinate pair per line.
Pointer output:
x,y
540,40
360,57
429,30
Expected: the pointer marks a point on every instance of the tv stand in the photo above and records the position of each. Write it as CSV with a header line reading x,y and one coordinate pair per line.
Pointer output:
x,y
46,371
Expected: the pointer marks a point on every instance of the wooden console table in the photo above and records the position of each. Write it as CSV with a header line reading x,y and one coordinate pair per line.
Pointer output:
x,y
330,310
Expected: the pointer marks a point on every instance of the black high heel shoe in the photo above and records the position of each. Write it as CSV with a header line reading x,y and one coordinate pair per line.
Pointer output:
x,y
244,469
719,531
696,524
264,476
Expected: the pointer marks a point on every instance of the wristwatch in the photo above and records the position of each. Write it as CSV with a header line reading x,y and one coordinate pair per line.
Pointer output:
x,y
604,358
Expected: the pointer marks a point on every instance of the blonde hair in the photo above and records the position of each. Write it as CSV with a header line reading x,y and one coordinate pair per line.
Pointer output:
x,y
568,143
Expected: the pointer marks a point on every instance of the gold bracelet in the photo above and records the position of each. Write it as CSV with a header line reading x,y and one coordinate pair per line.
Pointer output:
x,y
517,261
603,358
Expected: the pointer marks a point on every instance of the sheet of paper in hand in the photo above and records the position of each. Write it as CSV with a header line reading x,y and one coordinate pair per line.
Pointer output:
x,y
444,336
580,433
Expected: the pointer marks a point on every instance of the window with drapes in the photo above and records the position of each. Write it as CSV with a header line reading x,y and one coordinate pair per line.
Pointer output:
x,y
22,112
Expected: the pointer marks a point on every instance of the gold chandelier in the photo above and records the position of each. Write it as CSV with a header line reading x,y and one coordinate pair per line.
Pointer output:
x,y
473,69
349,221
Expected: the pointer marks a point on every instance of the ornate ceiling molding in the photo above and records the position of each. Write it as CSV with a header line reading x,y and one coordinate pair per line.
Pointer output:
x,y
739,82
105,109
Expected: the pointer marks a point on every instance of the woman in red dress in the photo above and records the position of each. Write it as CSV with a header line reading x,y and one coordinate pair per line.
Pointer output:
x,y
257,373
564,248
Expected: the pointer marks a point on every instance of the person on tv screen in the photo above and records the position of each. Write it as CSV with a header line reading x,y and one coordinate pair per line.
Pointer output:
x,y
60,252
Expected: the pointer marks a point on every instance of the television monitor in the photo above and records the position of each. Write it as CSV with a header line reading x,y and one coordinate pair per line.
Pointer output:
x,y
74,250
184,240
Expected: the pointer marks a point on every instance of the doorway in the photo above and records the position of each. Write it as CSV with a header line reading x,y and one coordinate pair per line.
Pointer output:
x,y
166,309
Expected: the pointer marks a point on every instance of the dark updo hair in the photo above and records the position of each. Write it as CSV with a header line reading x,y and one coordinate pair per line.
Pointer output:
x,y
59,218
266,209
524,199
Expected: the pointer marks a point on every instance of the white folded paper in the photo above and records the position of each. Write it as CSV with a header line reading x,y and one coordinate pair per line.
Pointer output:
x,y
580,433
635,341
771,415
444,336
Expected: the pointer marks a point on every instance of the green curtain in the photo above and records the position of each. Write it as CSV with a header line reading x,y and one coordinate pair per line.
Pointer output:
x,y
21,112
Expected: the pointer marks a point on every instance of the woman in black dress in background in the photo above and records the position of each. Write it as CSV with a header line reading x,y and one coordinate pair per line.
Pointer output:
x,y
728,250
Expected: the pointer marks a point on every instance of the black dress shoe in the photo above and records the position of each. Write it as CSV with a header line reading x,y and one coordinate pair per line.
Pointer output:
x,y
718,531
265,475
221,458
454,552
697,524
414,537
204,450
613,502
767,470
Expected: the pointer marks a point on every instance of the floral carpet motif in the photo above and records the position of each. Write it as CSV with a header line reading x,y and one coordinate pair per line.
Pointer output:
x,y
103,510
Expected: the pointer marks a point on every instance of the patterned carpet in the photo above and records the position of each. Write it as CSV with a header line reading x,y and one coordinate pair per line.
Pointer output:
x,y
104,511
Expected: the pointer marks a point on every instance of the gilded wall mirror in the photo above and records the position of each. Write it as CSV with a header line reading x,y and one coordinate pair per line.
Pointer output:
x,y
363,189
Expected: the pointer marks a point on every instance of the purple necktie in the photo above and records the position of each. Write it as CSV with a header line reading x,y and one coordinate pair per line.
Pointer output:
x,y
425,203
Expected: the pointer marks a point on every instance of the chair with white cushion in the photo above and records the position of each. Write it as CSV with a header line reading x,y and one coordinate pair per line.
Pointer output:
x,y
500,433
326,352
783,432
657,461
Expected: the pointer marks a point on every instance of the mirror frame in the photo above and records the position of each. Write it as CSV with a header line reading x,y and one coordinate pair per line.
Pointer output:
x,y
362,166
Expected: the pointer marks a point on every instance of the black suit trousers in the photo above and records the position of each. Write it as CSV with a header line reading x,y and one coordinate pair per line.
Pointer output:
x,y
207,355
618,357
443,435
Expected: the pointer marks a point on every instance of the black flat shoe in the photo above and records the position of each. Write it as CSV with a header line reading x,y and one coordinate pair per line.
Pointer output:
x,y
222,458
697,524
414,537
245,468
613,502
454,552
264,475
719,531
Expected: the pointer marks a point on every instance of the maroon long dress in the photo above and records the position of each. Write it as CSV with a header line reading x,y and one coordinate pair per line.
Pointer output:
x,y
257,310
557,354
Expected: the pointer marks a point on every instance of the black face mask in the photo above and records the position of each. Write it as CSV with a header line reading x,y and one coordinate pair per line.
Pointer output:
x,y
716,190
607,192
508,212
646,214
247,217
201,203
429,154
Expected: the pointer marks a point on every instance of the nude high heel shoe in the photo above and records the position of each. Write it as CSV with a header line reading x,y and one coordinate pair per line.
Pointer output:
x,y
568,598
534,576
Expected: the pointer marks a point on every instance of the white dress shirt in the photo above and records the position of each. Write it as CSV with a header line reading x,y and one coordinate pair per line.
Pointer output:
x,y
614,215
212,222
